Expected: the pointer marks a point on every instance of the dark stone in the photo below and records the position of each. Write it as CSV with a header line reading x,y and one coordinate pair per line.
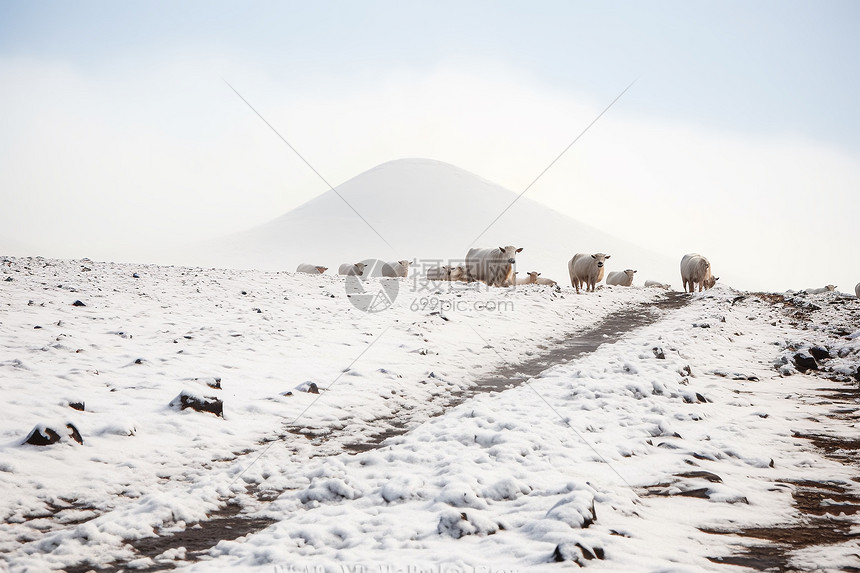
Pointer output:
x,y
819,353
576,552
701,474
42,438
37,327
700,398
75,434
658,353
50,436
138,361
9,279
244,292
79,406
804,361
209,404
78,303
135,275
216,383
313,388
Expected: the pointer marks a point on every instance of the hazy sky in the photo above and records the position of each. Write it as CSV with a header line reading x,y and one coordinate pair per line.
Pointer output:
x,y
740,137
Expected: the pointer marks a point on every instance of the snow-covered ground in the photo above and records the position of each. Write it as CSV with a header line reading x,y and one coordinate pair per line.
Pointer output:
x,y
629,458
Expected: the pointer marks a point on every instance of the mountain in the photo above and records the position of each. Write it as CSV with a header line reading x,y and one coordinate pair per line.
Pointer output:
x,y
429,210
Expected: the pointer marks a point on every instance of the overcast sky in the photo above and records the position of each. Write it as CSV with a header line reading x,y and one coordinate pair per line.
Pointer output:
x,y
740,138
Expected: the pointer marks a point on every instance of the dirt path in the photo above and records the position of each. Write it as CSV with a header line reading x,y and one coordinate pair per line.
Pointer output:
x,y
230,523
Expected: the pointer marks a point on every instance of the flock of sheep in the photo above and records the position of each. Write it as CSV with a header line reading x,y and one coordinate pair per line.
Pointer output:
x,y
495,267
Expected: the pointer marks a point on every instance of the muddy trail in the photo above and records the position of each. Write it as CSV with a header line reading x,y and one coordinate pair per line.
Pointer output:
x,y
230,523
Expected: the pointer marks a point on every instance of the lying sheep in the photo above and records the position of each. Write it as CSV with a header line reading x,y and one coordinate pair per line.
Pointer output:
x,y
656,284
356,269
821,290
311,269
459,274
620,278
396,269
442,273
534,278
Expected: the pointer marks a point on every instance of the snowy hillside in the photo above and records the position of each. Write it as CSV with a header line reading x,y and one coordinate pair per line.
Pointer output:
x,y
429,210
628,429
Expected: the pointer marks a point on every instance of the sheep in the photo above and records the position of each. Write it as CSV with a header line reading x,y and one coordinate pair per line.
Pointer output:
x,y
857,290
396,269
459,274
511,280
821,290
311,269
656,284
620,278
534,278
696,270
442,273
586,270
492,266
356,269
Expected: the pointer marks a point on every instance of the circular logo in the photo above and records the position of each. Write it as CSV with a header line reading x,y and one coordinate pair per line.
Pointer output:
x,y
375,289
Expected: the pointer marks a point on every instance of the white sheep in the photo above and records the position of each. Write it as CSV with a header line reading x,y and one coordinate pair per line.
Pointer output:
x,y
657,284
696,270
586,270
820,290
311,269
356,269
492,266
396,269
620,278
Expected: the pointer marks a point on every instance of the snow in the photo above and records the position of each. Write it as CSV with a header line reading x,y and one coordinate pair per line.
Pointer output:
x,y
622,459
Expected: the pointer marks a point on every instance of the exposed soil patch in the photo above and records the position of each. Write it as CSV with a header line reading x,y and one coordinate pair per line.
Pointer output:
x,y
227,524
823,506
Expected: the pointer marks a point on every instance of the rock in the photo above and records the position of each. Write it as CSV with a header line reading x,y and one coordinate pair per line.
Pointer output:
x,y
135,276
44,436
313,388
701,474
9,279
576,552
78,303
701,398
658,353
216,383
79,406
209,404
819,353
804,361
